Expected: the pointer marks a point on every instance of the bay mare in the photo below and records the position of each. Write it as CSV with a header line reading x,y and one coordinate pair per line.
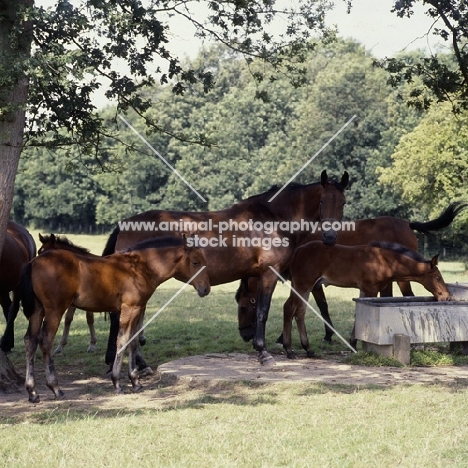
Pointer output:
x,y
233,260
121,283
368,268
53,241
383,228
18,249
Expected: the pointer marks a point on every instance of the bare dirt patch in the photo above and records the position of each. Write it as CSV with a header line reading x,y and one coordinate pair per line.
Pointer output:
x,y
206,372
238,366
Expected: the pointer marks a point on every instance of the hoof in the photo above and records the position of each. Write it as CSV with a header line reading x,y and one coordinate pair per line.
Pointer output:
x,y
145,372
58,351
266,359
310,354
327,340
34,398
91,349
118,390
291,355
137,388
59,395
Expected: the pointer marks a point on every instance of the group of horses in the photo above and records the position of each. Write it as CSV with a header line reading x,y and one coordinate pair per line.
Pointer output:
x,y
134,262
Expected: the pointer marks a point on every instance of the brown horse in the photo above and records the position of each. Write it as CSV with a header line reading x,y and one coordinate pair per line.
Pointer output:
x,y
229,259
368,268
61,242
121,283
19,248
384,229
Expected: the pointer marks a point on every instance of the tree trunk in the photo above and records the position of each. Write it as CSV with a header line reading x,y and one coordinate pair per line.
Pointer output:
x,y
13,97
10,380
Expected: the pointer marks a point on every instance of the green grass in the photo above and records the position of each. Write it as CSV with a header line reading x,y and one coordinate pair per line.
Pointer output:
x,y
233,424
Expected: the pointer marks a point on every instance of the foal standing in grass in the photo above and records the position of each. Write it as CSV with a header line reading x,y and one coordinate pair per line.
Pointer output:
x,y
122,282
369,268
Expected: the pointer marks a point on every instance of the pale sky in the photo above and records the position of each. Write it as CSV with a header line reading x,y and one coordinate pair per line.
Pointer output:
x,y
383,32
370,22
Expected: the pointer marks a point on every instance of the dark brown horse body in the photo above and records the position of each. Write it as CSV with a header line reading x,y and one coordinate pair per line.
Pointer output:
x,y
19,248
231,260
121,283
369,268
381,229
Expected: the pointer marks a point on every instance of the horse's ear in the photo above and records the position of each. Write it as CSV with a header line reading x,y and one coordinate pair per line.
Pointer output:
x,y
324,178
41,238
52,239
345,180
435,261
188,244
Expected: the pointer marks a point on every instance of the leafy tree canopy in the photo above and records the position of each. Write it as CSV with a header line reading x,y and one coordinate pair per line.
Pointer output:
x,y
445,77
82,46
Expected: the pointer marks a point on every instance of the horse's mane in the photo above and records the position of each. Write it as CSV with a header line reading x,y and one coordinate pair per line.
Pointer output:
x,y
291,187
400,249
63,240
275,188
157,243
242,286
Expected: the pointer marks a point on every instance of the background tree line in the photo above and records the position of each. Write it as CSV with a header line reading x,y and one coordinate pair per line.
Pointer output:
x,y
258,132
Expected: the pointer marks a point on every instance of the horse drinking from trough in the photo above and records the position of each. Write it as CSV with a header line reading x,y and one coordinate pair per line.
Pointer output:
x,y
18,249
368,268
232,261
384,229
121,283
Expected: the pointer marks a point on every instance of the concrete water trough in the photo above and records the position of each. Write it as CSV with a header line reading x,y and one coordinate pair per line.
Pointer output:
x,y
389,325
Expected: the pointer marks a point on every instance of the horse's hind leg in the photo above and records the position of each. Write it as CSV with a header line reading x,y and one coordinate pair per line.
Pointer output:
x,y
66,330
5,302
92,332
49,330
31,339
129,319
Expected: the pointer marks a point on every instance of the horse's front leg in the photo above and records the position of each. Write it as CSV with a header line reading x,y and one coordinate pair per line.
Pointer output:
x,y
66,329
289,310
266,287
321,301
92,332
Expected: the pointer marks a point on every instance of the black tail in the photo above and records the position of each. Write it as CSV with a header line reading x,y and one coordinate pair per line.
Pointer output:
x,y
27,292
110,244
444,220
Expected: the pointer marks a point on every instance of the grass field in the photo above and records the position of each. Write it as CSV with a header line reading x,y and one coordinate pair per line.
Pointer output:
x,y
233,424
